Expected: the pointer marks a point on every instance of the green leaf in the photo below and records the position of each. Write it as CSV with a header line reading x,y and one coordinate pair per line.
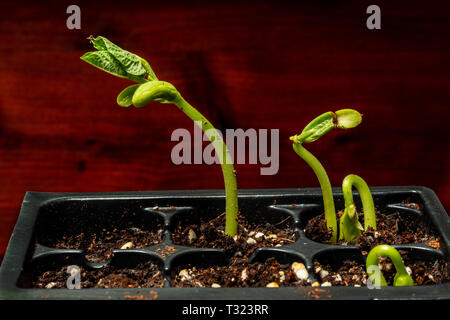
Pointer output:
x,y
130,62
104,61
124,99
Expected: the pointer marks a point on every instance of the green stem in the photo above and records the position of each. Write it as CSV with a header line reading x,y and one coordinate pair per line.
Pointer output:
x,y
114,60
229,174
351,181
325,185
402,278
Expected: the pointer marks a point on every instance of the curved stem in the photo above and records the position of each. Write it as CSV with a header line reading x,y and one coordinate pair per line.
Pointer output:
x,y
402,278
353,180
225,161
325,185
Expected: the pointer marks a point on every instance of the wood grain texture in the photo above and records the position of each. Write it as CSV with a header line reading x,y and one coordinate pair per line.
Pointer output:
x,y
244,65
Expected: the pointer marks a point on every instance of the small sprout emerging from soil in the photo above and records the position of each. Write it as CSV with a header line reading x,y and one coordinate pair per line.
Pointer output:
x,y
402,277
350,228
121,63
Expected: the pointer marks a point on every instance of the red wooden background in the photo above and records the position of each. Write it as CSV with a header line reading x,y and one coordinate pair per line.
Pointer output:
x,y
244,65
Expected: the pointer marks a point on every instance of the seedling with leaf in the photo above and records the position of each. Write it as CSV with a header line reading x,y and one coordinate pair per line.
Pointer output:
x,y
350,227
121,63
402,278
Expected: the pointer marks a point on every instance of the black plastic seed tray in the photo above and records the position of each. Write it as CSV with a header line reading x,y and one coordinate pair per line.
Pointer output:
x,y
46,213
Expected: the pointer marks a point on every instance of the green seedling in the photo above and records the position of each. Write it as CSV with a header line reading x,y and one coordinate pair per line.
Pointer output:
x,y
350,227
402,278
121,63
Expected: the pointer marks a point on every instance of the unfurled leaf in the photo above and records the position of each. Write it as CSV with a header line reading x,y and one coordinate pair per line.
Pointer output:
x,y
125,98
135,67
105,61
129,61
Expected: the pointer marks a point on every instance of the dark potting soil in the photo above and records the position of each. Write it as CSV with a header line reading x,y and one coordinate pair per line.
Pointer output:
x,y
145,275
351,273
423,272
98,246
250,236
240,273
391,229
